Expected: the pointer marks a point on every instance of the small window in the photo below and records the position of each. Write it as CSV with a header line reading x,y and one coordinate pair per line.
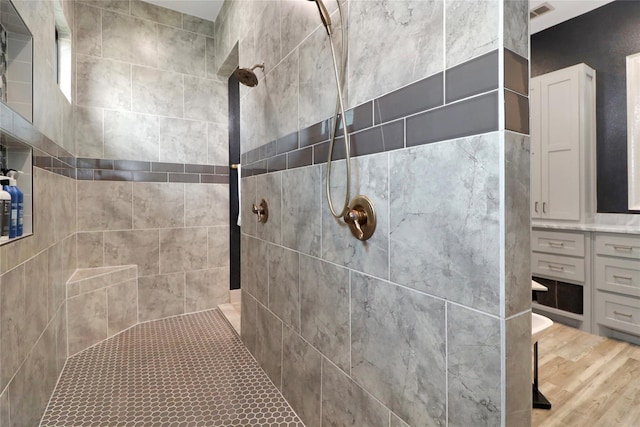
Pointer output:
x,y
63,52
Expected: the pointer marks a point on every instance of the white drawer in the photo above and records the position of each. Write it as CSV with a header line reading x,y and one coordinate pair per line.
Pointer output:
x,y
558,266
554,242
620,246
618,312
618,275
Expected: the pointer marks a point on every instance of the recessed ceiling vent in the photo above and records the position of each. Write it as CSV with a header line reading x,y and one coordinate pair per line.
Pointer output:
x,y
540,10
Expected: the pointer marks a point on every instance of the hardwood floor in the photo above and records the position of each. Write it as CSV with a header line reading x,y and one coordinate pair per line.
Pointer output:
x,y
590,381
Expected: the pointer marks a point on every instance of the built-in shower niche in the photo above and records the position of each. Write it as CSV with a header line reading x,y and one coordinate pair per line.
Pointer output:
x,y
17,155
16,61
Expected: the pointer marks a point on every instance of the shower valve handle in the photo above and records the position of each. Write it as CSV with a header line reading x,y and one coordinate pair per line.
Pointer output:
x,y
361,218
262,210
354,218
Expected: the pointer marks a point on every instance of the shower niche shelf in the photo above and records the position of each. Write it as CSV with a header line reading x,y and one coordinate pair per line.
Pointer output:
x,y
18,155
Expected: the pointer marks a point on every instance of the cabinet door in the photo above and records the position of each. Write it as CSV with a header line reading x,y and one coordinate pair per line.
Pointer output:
x,y
560,145
536,196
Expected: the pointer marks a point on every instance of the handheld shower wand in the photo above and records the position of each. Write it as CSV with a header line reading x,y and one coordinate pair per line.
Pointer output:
x,y
340,111
324,15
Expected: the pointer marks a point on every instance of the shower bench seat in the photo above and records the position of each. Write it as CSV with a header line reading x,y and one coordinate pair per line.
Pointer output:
x,y
101,302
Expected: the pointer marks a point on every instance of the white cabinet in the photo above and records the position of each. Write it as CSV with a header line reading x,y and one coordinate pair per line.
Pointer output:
x,y
563,144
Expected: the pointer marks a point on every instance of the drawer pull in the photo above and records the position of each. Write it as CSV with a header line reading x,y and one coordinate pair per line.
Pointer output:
x,y
556,244
622,248
623,314
556,267
616,276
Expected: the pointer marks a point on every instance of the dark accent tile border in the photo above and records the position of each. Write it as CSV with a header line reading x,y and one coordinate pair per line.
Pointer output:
x,y
410,116
315,133
516,73
516,111
473,77
469,117
358,118
420,96
137,171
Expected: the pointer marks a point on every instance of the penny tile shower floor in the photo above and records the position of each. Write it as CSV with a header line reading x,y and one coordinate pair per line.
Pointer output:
x,y
191,370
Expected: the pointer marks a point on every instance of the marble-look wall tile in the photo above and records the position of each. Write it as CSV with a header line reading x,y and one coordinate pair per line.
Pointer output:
x,y
36,283
518,370
298,20
206,289
256,265
248,327
472,29
270,189
346,404
88,34
210,58
474,375
104,205
181,51
91,249
284,289
249,197
324,309
89,131
268,351
182,141
157,92
155,13
517,224
400,359
397,422
69,257
183,249
5,419
13,323
369,176
317,80
139,247
198,25
158,205
301,377
129,39
446,200
114,5
122,303
87,321
412,32
206,205
218,246
30,389
60,323
103,83
206,99
280,100
267,35
130,136
301,203
218,146
516,26
56,283
160,296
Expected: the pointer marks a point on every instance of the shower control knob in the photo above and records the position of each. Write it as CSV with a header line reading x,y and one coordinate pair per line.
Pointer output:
x,y
361,218
262,210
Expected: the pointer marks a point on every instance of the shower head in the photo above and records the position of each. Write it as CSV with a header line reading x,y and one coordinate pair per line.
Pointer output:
x,y
324,15
247,77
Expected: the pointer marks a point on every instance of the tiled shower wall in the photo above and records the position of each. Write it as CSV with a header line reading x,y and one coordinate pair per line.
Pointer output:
x,y
34,270
427,323
149,107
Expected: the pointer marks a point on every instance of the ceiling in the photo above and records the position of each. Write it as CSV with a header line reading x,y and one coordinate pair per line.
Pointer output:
x,y
206,9
563,10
